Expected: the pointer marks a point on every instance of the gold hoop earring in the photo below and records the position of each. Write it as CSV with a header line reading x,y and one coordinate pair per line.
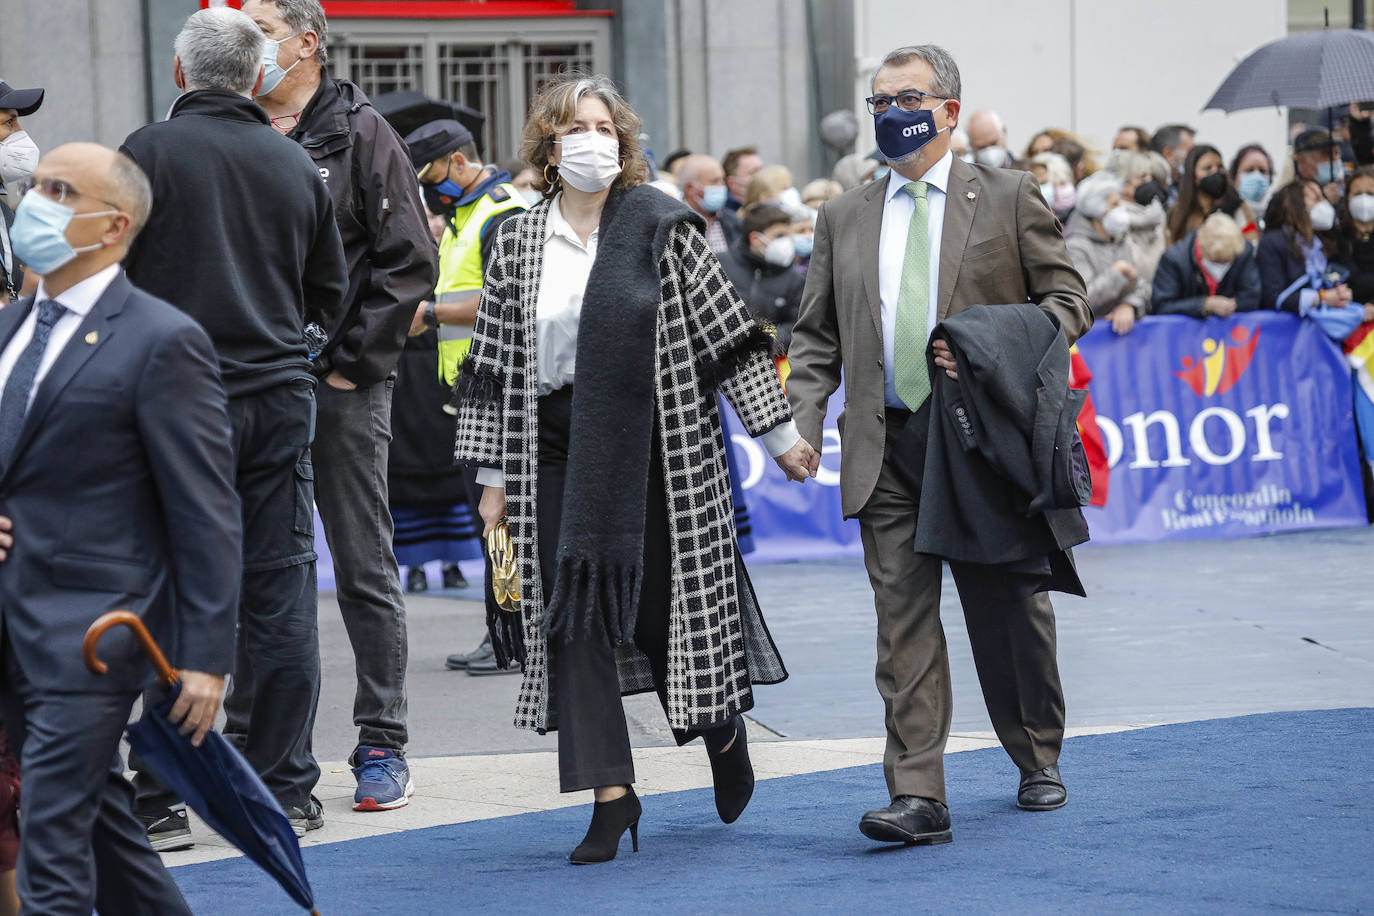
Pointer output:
x,y
547,180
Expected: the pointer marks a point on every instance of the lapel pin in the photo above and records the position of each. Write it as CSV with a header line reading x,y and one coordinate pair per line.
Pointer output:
x,y
971,195
92,337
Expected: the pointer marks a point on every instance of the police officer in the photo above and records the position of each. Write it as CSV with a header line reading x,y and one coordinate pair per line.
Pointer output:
x,y
474,199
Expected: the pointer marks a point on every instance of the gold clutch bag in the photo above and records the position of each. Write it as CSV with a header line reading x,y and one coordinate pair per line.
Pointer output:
x,y
505,579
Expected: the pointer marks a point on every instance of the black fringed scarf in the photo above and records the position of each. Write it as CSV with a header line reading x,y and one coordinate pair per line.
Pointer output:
x,y
601,543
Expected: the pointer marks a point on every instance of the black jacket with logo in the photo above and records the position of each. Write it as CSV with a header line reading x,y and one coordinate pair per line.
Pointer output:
x,y
393,261
241,236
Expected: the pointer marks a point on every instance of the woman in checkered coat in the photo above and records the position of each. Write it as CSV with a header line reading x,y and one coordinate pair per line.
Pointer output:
x,y
588,406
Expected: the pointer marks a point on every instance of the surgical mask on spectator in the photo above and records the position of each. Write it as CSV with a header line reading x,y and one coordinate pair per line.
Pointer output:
x,y
1047,192
590,161
880,173
1328,172
994,156
780,251
1116,221
1150,190
1253,186
1323,216
1213,185
1065,196
790,198
968,157
901,134
1216,269
713,197
804,245
272,73
532,197
18,157
1362,208
39,233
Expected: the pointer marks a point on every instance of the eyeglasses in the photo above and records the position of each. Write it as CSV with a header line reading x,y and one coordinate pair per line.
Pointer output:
x,y
56,189
907,100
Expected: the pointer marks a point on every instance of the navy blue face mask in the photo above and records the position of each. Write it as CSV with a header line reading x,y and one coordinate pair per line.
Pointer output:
x,y
901,134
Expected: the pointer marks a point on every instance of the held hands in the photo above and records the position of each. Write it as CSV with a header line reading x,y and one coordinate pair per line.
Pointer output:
x,y
492,507
6,539
800,461
1122,318
335,380
198,704
1221,306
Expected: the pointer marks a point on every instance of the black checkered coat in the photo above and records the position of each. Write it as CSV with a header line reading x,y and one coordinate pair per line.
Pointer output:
x,y
718,644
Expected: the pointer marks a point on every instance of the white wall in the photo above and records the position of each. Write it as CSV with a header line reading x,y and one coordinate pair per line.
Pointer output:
x,y
1086,65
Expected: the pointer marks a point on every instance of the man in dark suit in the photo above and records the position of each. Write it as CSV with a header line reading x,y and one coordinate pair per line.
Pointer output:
x,y
115,467
892,259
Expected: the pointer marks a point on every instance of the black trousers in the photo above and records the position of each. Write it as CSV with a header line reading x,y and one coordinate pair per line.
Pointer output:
x,y
276,684
593,739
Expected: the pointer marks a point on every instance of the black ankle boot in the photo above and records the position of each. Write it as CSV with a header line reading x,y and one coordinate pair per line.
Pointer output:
x,y
609,822
731,771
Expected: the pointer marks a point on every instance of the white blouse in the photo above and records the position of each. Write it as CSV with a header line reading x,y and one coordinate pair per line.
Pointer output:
x,y
562,284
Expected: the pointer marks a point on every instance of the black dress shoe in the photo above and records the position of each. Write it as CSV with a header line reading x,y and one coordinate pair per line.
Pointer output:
x,y
1042,790
610,820
453,576
909,819
415,580
461,660
732,773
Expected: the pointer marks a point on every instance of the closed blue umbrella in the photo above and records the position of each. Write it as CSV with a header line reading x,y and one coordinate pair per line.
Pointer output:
x,y
1310,70
214,779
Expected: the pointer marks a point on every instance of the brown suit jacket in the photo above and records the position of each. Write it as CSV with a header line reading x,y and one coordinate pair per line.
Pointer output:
x,y
1000,244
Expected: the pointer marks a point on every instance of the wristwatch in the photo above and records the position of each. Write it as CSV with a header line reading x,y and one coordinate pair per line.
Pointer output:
x,y
431,320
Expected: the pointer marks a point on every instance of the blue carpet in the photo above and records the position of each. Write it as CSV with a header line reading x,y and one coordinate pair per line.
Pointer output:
x,y
1259,813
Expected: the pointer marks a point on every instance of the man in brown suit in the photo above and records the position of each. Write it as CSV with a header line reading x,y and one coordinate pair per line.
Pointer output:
x,y
892,259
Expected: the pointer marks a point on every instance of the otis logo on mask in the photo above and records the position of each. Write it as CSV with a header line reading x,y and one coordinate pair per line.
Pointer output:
x,y
915,130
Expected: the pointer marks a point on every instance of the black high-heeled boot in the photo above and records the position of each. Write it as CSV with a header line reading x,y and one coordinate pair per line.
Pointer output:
x,y
609,822
731,771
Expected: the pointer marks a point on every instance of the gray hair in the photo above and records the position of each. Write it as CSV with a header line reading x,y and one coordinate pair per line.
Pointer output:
x,y
306,16
1129,165
1056,167
220,48
130,191
945,83
1094,191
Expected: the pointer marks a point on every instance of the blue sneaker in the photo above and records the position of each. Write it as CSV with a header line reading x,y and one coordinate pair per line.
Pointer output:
x,y
383,778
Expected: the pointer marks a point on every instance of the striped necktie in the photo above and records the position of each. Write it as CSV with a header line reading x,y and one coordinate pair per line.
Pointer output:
x,y
909,372
14,403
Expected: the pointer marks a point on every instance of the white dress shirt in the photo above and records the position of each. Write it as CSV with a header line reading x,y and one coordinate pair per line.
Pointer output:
x,y
892,252
78,301
558,312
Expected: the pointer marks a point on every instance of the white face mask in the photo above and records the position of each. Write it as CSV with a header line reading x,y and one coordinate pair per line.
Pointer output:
x,y
1323,215
1216,269
532,197
994,156
18,157
1047,192
781,251
590,161
1116,221
1362,208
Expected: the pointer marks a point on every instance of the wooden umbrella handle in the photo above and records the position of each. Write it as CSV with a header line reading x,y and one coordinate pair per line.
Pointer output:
x,y
166,675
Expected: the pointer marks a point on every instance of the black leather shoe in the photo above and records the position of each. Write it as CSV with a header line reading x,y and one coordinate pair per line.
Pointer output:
x,y
415,580
461,660
1042,790
910,819
453,576
732,773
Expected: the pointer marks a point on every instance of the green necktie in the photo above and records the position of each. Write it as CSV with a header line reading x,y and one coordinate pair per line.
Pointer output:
x,y
910,376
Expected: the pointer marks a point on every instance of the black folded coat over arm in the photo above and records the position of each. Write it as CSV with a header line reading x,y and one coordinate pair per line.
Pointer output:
x,y
1001,468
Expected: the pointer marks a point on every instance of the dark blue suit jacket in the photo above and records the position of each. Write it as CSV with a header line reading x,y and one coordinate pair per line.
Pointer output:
x,y
121,491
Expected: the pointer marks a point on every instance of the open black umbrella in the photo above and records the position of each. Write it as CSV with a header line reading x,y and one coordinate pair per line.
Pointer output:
x,y
214,779
1310,70
406,110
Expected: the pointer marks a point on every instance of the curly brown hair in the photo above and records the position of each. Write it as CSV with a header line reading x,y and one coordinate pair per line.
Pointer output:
x,y
552,112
